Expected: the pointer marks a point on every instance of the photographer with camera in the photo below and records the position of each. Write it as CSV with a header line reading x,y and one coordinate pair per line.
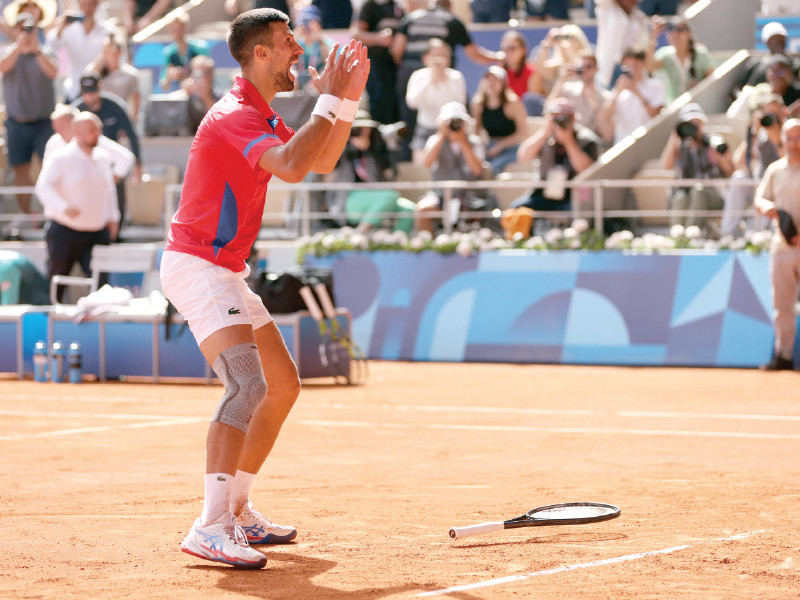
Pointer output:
x,y
635,99
366,159
578,83
452,154
82,35
564,149
694,155
28,71
751,158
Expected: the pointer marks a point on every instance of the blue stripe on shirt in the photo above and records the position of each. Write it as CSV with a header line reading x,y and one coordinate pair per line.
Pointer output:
x,y
260,138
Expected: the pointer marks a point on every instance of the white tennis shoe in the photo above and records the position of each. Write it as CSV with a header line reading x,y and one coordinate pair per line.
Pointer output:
x,y
222,541
260,530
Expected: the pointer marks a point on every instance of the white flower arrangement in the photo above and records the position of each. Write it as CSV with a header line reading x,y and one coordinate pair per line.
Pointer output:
x,y
579,236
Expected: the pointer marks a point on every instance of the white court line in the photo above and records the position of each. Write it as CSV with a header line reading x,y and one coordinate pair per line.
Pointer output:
x,y
587,430
589,565
45,414
459,409
554,411
720,416
62,432
116,399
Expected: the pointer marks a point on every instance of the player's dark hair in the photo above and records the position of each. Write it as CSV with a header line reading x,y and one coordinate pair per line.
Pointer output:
x,y
251,28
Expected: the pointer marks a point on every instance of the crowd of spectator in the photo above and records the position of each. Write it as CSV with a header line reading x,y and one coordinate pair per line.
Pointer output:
x,y
559,104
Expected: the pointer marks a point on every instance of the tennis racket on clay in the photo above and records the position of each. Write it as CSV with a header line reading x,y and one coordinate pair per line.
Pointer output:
x,y
340,334
570,513
332,354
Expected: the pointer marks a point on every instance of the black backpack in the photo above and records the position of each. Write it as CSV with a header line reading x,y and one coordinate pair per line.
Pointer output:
x,y
280,292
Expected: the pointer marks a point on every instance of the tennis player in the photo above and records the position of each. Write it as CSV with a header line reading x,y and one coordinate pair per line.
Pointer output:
x,y
239,145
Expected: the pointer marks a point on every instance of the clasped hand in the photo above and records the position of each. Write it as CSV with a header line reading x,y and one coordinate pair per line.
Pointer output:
x,y
345,73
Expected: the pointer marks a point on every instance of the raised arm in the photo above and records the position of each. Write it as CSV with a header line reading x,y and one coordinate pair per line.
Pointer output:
x,y
293,160
360,65
530,148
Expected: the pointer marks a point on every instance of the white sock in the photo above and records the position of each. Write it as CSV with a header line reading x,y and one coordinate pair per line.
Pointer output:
x,y
218,492
240,492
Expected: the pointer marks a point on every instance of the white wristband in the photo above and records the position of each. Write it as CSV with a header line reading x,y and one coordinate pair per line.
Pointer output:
x,y
328,107
348,110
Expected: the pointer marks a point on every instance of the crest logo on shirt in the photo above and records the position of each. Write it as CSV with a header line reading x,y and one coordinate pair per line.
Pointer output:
x,y
273,120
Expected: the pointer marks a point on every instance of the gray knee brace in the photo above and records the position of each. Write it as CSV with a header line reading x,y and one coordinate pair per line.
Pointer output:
x,y
240,370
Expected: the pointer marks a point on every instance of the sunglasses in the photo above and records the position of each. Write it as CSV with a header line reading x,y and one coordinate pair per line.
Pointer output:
x,y
677,28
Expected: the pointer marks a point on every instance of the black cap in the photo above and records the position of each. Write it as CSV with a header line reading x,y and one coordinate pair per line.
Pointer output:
x,y
90,82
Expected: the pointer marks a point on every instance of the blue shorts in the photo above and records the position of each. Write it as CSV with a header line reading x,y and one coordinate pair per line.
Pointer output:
x,y
24,139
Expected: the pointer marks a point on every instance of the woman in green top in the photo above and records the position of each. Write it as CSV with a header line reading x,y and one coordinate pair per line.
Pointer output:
x,y
682,62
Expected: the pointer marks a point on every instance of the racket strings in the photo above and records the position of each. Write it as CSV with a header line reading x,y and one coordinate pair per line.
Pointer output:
x,y
570,512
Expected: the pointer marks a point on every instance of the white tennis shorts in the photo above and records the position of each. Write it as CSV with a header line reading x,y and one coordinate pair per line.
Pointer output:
x,y
208,296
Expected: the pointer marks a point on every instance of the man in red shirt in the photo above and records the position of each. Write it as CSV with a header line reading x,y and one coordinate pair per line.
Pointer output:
x,y
239,145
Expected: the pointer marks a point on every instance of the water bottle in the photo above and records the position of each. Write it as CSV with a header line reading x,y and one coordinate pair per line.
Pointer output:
x,y
40,361
57,364
74,363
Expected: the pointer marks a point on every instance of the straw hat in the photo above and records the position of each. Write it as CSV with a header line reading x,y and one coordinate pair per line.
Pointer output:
x,y
49,10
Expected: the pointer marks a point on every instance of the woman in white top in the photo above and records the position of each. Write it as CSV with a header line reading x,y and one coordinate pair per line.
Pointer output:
x,y
430,88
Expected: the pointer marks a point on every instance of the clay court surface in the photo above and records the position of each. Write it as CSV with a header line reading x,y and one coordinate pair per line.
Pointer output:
x,y
101,482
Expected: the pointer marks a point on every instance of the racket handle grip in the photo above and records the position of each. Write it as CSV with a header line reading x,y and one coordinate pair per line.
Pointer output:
x,y
460,532
311,303
325,300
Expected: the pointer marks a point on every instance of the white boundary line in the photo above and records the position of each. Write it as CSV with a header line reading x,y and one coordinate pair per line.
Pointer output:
x,y
62,432
589,565
555,412
720,416
77,398
586,430
83,415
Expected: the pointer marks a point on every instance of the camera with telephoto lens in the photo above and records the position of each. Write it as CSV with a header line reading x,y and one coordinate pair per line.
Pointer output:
x,y
456,124
716,142
562,121
686,130
768,120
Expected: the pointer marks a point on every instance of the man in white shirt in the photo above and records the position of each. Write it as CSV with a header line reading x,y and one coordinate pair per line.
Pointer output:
x,y
635,99
82,36
777,199
76,189
430,88
62,119
620,25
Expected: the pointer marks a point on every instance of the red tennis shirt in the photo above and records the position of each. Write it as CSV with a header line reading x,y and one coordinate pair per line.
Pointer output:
x,y
224,189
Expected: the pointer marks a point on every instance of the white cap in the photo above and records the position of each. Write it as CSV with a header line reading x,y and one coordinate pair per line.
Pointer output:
x,y
773,28
452,110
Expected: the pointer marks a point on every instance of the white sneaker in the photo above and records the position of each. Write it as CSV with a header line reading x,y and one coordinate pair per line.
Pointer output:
x,y
222,541
260,530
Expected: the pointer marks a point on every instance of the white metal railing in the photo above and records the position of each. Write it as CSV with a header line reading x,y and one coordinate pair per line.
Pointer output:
x,y
595,212
587,202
